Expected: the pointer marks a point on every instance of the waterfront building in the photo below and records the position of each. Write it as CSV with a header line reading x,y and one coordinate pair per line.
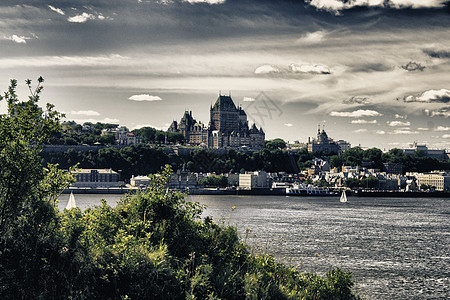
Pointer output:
x,y
140,181
182,180
251,180
228,128
441,180
93,178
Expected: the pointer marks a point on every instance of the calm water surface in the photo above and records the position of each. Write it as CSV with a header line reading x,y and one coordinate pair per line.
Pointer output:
x,y
395,248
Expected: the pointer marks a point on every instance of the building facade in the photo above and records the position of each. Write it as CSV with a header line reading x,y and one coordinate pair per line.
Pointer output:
x,y
323,144
228,128
96,178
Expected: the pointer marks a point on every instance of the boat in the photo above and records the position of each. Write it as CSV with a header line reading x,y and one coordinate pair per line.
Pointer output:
x,y
71,203
306,190
343,197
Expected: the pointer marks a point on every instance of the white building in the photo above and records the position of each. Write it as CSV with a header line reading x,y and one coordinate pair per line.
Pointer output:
x,y
439,180
257,179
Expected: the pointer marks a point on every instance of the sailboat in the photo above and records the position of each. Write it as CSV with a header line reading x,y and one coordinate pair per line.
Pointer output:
x,y
343,197
71,203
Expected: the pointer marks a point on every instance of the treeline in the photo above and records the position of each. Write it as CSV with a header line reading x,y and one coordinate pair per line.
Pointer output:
x,y
91,133
142,159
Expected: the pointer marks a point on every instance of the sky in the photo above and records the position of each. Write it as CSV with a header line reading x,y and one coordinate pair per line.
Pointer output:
x,y
374,73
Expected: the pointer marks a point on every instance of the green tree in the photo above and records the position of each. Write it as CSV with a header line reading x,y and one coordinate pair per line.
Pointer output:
x,y
275,144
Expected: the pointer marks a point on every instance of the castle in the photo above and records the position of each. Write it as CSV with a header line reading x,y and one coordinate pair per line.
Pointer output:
x,y
323,144
228,127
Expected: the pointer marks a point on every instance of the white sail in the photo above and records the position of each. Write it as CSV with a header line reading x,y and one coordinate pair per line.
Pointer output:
x,y
71,203
343,197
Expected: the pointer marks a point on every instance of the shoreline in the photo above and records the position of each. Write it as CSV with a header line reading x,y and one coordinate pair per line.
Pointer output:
x,y
268,192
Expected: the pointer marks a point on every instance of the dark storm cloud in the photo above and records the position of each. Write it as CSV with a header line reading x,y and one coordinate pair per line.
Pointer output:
x,y
372,67
413,66
361,100
435,53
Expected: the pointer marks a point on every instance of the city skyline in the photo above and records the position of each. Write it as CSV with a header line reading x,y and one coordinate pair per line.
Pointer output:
x,y
375,73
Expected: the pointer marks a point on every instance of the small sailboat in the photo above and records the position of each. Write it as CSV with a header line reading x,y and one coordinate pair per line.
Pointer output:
x,y
71,203
343,197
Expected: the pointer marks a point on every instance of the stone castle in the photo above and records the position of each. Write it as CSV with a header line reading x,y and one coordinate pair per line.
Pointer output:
x,y
228,128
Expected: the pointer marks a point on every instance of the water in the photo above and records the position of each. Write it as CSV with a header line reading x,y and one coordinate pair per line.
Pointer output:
x,y
395,248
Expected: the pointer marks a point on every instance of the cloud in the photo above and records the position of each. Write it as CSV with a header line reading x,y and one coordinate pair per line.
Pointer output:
x,y
57,10
398,123
105,120
440,96
18,39
144,97
362,100
288,124
81,18
359,121
338,5
397,116
442,112
423,129
446,136
312,37
248,99
360,130
403,131
356,114
437,53
205,1
380,132
442,128
413,66
307,68
267,69
85,113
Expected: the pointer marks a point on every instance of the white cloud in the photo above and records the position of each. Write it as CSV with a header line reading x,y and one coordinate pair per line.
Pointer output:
x,y
360,130
398,123
404,131
380,132
359,121
267,69
416,3
205,1
446,136
337,5
307,68
288,125
442,95
442,128
61,61
442,112
85,113
356,114
248,99
144,97
397,116
18,39
105,120
57,10
312,37
423,129
81,18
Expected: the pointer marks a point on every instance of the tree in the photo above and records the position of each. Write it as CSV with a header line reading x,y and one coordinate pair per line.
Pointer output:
x,y
275,144
28,193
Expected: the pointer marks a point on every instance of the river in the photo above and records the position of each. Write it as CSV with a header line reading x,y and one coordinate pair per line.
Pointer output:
x,y
395,248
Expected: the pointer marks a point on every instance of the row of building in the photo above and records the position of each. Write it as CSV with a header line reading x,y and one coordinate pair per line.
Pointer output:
x,y
182,179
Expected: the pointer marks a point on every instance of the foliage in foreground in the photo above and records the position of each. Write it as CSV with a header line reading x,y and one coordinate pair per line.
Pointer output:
x,y
152,245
